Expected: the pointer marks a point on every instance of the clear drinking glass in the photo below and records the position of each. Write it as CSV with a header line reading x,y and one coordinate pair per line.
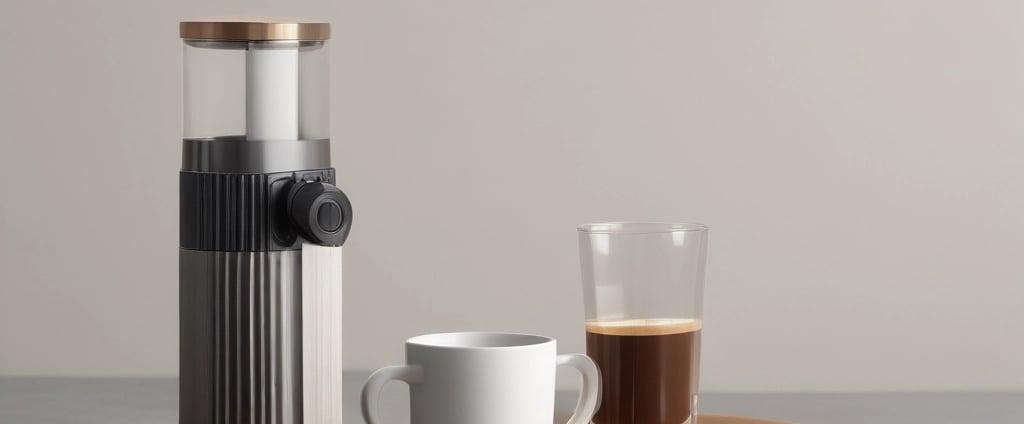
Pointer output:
x,y
643,289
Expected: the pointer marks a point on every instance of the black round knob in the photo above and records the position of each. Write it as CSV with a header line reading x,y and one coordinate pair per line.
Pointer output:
x,y
320,212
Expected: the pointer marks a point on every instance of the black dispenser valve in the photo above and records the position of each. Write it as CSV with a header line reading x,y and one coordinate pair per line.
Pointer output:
x,y
321,212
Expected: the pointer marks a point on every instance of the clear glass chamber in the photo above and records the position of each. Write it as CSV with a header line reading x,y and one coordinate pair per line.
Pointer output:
x,y
256,90
643,271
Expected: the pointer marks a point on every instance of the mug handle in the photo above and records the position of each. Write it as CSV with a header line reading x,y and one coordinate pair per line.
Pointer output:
x,y
590,392
410,374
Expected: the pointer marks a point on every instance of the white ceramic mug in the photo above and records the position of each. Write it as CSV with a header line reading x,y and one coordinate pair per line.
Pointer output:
x,y
484,378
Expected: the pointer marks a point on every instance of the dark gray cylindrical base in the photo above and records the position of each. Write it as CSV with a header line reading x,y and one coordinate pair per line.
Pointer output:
x,y
240,337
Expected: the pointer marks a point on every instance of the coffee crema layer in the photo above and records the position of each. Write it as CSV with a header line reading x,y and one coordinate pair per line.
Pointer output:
x,y
644,327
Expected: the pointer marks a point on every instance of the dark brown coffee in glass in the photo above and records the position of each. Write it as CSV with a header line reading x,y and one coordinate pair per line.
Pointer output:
x,y
650,369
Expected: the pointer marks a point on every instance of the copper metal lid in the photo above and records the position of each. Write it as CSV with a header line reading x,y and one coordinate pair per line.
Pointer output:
x,y
255,29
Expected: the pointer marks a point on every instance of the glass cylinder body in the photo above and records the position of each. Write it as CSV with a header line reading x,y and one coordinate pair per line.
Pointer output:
x,y
256,90
643,288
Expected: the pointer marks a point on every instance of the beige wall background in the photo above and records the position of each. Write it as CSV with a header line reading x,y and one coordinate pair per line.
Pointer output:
x,y
861,165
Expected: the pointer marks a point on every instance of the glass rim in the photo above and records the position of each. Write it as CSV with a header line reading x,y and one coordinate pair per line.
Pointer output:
x,y
641,227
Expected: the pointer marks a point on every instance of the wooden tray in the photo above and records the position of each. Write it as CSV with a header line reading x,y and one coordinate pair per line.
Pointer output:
x,y
563,416
732,419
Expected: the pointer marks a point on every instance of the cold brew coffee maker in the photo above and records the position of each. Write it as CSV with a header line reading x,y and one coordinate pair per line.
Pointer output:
x,y
261,227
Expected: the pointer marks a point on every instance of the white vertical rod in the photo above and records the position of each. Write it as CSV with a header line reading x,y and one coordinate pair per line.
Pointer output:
x,y
272,91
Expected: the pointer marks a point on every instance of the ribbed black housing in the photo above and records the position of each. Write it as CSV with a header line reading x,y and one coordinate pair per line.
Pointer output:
x,y
239,212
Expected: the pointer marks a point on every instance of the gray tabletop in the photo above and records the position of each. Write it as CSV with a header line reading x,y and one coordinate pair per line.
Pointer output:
x,y
154,401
